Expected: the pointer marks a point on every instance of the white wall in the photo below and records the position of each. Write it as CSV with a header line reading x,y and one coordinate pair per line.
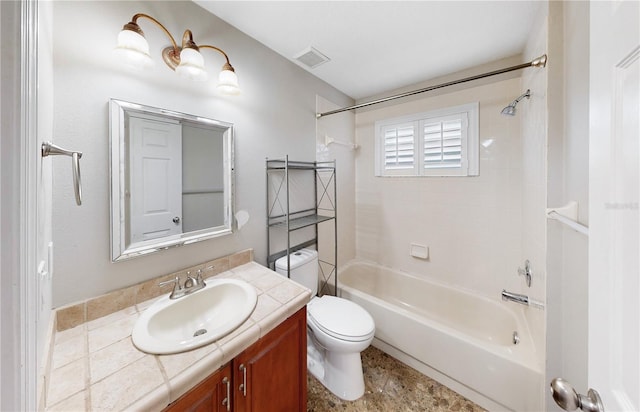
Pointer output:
x,y
274,116
567,250
341,128
45,98
470,224
534,129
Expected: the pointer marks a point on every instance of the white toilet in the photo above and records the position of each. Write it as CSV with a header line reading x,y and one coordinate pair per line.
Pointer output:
x,y
337,330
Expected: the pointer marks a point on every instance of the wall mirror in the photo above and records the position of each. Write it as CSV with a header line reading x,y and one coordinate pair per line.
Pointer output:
x,y
171,179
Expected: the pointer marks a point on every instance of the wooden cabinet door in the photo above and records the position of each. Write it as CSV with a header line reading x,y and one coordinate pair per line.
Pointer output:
x,y
211,395
271,375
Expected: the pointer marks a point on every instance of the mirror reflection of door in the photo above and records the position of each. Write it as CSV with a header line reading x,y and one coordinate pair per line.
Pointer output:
x,y
155,195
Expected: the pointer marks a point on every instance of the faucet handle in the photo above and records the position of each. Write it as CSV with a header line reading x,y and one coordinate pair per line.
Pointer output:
x,y
175,281
526,272
198,279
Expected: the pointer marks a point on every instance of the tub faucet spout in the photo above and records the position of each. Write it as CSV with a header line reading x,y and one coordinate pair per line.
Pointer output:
x,y
515,297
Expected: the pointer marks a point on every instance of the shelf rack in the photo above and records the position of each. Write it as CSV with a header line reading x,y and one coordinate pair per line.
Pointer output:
x,y
281,217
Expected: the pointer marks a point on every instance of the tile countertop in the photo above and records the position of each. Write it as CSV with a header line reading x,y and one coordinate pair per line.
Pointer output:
x,y
95,366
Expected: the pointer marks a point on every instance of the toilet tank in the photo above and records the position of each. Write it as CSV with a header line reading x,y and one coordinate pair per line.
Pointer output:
x,y
304,268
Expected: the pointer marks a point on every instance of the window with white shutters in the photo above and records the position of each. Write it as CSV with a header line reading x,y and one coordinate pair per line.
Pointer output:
x,y
438,143
399,147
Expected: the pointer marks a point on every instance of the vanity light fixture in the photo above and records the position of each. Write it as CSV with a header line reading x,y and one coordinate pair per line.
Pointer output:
x,y
133,50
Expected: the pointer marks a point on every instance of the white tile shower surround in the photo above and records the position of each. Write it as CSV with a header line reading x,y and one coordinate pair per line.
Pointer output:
x,y
96,367
471,225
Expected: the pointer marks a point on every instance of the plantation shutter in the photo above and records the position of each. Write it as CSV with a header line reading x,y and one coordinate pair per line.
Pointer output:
x,y
399,147
444,141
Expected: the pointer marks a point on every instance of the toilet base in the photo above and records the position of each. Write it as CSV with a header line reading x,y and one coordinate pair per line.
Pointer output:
x,y
341,373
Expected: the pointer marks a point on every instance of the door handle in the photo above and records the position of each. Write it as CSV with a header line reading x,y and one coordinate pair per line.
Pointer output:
x,y
568,399
176,220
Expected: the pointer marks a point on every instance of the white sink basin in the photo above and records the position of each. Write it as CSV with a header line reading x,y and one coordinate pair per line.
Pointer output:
x,y
177,325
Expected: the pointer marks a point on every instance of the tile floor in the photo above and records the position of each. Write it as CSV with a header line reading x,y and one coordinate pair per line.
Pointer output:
x,y
390,386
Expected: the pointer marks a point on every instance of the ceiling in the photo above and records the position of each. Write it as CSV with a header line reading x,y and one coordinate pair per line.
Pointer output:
x,y
378,46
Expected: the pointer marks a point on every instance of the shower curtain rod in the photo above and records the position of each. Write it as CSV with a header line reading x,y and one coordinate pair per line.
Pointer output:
x,y
537,62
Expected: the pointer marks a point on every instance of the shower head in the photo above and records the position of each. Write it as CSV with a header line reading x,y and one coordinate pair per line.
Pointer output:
x,y
511,109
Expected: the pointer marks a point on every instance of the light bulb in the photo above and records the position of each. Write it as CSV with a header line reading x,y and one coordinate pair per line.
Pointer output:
x,y
228,82
191,65
132,50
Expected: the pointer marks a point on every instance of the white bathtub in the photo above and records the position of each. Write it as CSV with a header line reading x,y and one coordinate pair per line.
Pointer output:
x,y
460,339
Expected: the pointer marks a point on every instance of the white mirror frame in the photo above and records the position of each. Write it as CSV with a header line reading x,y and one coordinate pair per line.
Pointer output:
x,y
120,250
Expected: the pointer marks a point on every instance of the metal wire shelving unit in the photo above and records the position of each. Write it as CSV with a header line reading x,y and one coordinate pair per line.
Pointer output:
x,y
283,221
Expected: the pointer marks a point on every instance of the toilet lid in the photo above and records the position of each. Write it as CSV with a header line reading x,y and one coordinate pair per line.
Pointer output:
x,y
341,318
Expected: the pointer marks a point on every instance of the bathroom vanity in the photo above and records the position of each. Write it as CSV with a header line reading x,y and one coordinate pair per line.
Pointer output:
x,y
275,365
260,366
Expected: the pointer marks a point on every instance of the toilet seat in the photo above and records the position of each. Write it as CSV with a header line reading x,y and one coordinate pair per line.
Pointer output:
x,y
340,318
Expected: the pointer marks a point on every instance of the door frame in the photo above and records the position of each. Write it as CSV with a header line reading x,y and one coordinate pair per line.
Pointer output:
x,y
19,344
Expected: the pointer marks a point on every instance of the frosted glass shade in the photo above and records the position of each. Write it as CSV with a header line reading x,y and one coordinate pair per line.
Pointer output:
x,y
228,82
191,65
132,50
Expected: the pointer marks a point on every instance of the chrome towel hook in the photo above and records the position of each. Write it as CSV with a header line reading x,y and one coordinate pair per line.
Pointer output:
x,y
49,149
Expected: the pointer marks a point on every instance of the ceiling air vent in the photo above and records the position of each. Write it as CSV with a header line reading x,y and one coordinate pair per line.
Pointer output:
x,y
311,58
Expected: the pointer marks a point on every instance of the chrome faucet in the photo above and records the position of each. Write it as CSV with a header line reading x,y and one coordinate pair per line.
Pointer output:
x,y
521,299
515,297
191,285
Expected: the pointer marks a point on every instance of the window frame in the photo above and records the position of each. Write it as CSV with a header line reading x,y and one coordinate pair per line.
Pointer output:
x,y
470,162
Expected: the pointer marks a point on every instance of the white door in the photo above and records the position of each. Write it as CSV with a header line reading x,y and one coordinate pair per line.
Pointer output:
x,y
614,185
156,178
